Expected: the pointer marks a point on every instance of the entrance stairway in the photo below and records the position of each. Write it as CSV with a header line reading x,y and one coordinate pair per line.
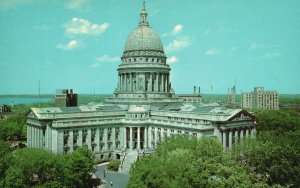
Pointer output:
x,y
130,158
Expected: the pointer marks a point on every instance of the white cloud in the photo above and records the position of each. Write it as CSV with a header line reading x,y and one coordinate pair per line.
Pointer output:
x,y
74,4
225,30
84,27
41,27
107,58
232,49
172,59
206,32
73,44
271,55
213,52
95,65
9,4
177,29
178,44
256,46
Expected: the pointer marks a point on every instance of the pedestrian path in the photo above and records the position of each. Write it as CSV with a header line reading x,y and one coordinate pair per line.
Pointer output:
x,y
130,158
118,179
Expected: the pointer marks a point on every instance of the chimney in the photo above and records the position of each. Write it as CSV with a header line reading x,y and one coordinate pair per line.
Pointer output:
x,y
194,89
199,90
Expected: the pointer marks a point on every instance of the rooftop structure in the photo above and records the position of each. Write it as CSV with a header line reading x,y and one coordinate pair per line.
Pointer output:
x,y
65,98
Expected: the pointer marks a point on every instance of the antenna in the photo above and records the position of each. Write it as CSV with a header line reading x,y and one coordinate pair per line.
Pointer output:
x,y
39,93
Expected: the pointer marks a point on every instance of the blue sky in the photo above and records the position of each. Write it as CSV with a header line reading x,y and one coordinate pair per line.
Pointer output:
x,y
77,43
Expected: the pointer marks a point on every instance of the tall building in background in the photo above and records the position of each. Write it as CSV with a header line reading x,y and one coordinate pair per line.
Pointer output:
x,y
65,98
260,99
232,94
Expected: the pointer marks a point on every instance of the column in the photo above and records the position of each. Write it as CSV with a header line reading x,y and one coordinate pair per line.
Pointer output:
x,y
166,83
247,132
162,83
155,135
119,81
138,138
88,139
236,136
38,137
150,80
105,139
125,78
219,135
130,136
28,136
156,87
230,139
130,85
149,137
241,135
71,141
33,136
113,135
125,138
145,137
253,132
80,137
162,134
224,139
97,140
168,132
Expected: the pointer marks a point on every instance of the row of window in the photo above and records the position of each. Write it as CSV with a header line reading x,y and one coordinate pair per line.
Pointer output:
x,y
152,60
188,119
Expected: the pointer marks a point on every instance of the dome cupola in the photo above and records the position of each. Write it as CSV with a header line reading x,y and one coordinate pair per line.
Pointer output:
x,y
143,41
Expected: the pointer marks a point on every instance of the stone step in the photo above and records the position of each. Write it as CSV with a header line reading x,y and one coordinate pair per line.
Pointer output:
x,y
130,158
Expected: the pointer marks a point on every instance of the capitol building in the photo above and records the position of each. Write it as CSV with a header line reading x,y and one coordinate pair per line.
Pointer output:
x,y
143,110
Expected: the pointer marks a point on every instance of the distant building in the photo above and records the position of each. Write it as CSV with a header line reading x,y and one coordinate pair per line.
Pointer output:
x,y
65,98
191,98
260,99
232,95
5,111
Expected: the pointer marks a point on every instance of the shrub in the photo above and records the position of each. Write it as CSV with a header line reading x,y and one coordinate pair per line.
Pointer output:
x,y
114,165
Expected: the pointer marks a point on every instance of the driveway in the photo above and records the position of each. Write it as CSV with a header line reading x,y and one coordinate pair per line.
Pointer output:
x,y
118,179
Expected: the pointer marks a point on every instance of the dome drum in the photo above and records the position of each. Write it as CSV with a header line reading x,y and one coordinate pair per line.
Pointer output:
x,y
144,74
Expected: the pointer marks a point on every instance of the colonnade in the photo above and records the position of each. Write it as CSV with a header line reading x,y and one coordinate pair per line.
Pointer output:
x,y
151,82
37,138
144,137
228,137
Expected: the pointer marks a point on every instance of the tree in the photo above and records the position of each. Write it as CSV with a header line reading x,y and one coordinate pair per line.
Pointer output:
x,y
273,158
39,168
79,167
194,163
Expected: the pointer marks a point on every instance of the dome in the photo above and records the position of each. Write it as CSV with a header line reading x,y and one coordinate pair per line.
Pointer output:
x,y
143,38
137,109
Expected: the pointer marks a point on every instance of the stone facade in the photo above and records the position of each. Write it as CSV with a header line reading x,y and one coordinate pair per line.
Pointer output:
x,y
142,113
110,129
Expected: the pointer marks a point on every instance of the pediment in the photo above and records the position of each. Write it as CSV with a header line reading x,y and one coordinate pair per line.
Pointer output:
x,y
31,115
244,115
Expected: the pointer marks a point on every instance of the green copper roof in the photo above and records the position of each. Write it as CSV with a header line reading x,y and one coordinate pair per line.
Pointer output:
x,y
143,37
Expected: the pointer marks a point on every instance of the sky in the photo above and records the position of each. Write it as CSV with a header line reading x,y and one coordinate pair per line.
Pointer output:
x,y
209,43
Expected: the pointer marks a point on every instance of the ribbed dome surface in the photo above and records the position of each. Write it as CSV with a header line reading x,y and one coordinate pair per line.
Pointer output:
x,y
143,38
